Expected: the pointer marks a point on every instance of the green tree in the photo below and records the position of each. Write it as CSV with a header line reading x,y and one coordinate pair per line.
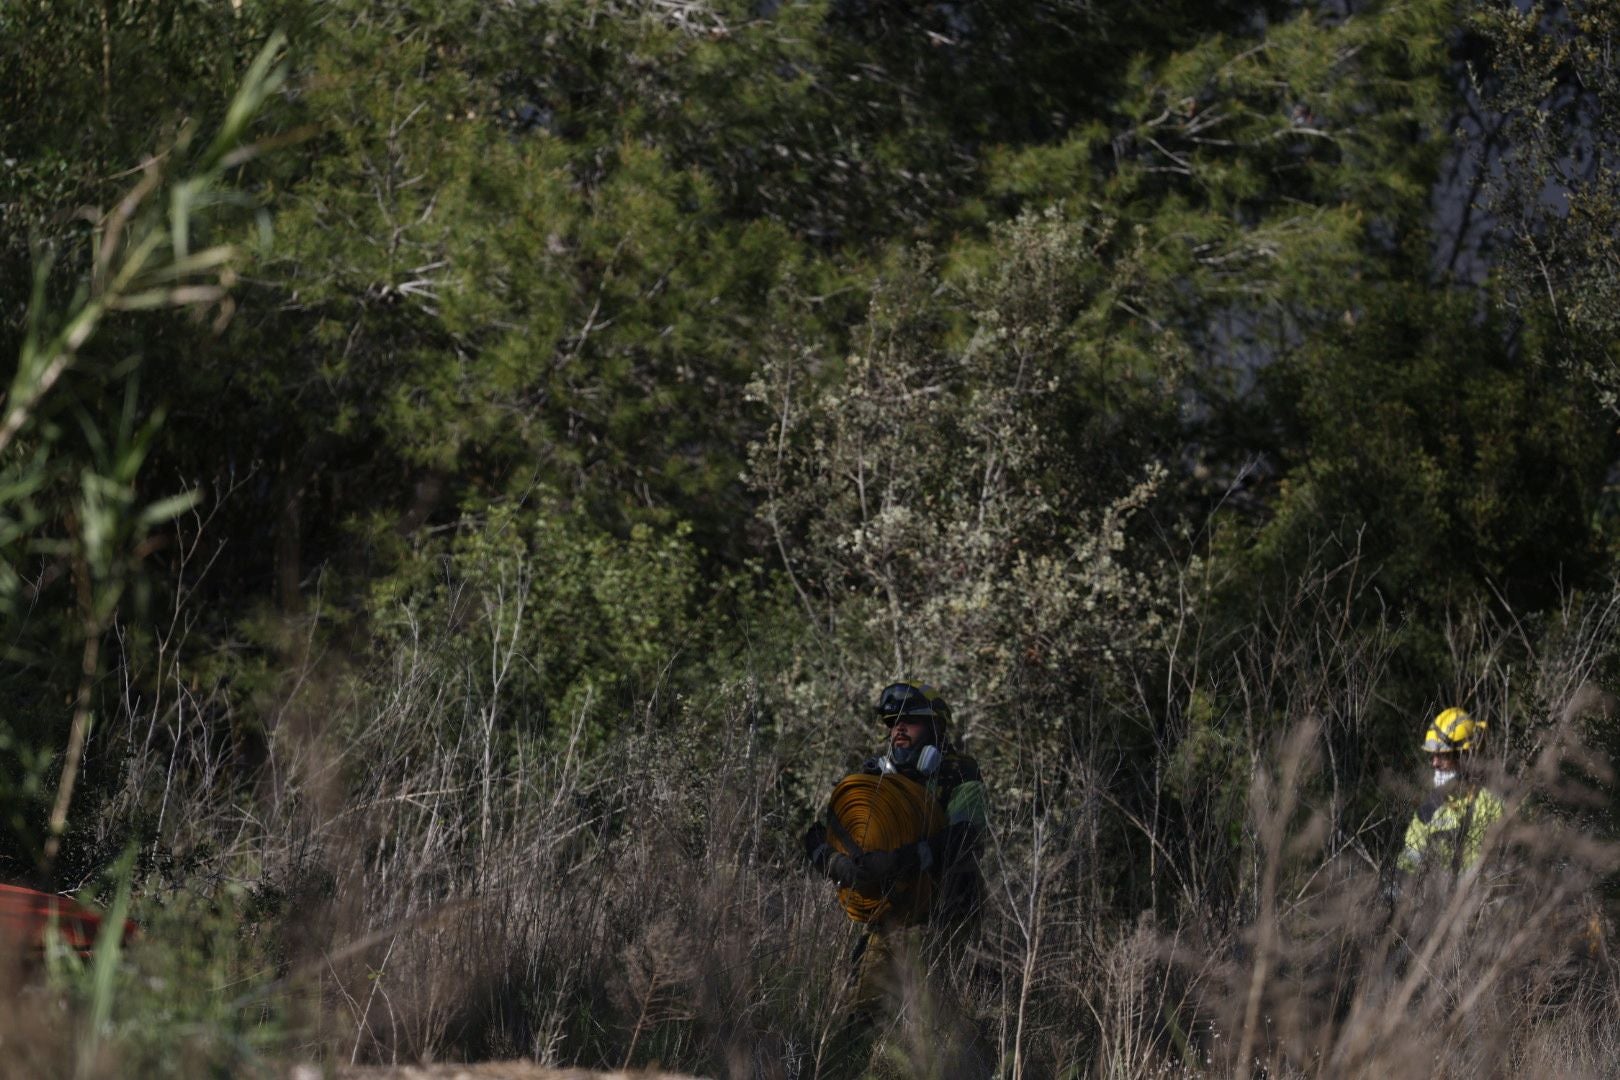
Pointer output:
x,y
1554,191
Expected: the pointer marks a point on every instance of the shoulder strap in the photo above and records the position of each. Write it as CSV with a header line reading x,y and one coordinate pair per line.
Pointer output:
x,y
836,827
1459,849
1431,805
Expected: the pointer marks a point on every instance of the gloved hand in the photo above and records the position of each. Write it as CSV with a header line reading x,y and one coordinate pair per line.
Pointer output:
x,y
878,868
822,856
841,868
816,848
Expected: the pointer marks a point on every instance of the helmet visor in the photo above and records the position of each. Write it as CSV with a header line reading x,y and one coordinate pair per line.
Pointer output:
x,y
904,700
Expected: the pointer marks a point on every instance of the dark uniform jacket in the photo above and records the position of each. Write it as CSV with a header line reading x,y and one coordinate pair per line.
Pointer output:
x,y
950,857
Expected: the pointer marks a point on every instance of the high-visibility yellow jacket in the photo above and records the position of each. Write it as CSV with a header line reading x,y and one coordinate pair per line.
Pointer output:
x,y
1449,829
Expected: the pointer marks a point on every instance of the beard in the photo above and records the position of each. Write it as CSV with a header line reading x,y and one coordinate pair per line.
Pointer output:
x,y
905,755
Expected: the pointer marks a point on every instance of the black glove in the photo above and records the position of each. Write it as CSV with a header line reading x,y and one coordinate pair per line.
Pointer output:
x,y
822,856
816,848
876,869
842,869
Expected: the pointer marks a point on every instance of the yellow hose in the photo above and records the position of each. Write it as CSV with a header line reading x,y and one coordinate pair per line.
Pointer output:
x,y
882,813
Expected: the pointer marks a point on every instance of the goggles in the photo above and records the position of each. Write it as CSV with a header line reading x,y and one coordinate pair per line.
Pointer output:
x,y
892,721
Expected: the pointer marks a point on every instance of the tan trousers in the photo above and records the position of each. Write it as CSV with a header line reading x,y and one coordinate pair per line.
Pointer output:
x,y
902,1021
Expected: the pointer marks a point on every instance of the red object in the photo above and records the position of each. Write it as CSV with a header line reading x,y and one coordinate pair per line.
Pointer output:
x,y
26,913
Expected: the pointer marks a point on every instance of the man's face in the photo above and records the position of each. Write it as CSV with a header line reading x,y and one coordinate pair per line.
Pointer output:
x,y
1443,763
911,731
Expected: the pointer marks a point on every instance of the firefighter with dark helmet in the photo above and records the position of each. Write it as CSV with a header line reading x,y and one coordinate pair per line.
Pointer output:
x,y
1449,829
901,839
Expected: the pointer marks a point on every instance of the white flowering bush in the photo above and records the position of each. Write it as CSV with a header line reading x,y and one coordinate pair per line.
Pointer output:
x,y
934,494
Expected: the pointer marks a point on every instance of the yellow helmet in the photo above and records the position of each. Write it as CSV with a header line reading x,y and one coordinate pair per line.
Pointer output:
x,y
1451,731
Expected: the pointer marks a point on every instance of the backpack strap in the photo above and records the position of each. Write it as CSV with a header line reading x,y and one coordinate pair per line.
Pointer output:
x,y
836,827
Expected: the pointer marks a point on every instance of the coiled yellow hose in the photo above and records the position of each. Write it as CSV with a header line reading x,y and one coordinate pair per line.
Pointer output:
x,y
882,813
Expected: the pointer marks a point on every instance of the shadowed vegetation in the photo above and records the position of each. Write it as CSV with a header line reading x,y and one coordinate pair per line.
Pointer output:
x,y
467,468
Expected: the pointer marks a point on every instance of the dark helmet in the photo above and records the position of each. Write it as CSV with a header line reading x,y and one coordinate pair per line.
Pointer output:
x,y
912,699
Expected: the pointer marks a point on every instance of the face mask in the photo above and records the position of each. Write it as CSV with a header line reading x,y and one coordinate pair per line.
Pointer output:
x,y
1441,779
923,759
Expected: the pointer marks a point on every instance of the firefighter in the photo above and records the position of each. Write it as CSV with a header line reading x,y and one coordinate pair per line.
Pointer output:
x,y
1449,828
913,899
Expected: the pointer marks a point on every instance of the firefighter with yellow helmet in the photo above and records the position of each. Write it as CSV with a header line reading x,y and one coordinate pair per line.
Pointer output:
x,y
1449,829
901,839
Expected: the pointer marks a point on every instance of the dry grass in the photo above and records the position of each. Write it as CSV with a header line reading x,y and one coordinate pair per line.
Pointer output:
x,y
416,882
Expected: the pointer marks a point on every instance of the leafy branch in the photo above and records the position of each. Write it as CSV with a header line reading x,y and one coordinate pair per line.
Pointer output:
x,y
142,258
